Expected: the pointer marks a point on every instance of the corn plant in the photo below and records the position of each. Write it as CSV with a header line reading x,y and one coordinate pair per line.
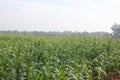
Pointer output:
x,y
54,58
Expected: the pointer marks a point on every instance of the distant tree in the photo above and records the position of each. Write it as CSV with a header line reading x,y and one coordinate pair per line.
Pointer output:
x,y
116,30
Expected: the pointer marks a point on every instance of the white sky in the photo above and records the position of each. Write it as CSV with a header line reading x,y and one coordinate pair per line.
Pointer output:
x,y
59,15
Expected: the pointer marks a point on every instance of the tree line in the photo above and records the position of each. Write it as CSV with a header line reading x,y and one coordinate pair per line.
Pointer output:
x,y
115,34
59,34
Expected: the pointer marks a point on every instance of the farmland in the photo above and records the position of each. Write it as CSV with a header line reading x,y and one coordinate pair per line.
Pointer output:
x,y
55,58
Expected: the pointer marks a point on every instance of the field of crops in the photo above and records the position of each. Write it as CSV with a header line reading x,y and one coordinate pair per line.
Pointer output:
x,y
55,58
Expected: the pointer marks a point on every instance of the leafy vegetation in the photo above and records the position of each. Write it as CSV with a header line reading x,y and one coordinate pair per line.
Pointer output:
x,y
54,58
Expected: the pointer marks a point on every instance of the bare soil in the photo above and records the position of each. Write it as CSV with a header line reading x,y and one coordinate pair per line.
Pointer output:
x,y
114,77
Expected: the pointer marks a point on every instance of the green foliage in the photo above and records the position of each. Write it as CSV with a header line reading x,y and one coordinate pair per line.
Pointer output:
x,y
54,58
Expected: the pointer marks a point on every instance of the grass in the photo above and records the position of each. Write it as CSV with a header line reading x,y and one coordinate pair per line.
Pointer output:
x,y
54,58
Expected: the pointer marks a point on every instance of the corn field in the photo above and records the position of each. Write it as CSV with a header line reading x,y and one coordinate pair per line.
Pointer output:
x,y
55,58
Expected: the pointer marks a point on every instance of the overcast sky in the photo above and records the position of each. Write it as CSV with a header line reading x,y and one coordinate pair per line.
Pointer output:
x,y
59,15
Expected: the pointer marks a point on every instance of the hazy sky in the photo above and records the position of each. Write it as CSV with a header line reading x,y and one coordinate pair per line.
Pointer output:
x,y
59,15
